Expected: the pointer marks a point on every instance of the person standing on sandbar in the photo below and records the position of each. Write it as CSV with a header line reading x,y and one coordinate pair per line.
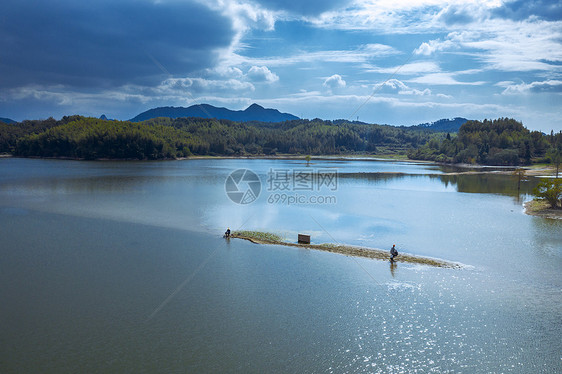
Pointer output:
x,y
393,253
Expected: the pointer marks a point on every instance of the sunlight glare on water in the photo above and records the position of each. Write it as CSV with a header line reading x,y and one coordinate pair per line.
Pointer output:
x,y
91,250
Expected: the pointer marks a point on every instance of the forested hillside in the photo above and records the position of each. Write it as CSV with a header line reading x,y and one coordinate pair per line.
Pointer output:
x,y
444,125
6,120
91,138
499,142
313,137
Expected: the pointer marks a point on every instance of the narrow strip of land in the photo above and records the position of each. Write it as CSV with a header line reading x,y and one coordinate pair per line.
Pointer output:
x,y
542,209
348,250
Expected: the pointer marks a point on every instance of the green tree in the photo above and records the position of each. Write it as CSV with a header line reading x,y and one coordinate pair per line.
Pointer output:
x,y
555,155
549,190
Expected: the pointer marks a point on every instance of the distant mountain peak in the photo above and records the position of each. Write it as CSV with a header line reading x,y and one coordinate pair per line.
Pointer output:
x,y
254,112
253,107
103,117
7,120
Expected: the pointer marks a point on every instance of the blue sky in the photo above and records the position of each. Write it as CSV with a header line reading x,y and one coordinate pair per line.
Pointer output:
x,y
399,62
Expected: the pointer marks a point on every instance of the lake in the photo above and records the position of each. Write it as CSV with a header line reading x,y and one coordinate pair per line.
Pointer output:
x,y
121,267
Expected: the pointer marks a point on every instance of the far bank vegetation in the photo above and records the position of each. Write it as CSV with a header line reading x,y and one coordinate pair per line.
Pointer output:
x,y
499,142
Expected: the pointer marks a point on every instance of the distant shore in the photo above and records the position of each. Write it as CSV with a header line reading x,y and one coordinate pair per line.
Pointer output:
x,y
347,250
530,170
313,158
541,209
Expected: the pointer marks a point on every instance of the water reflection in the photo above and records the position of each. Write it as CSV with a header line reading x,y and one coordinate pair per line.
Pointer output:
x,y
547,234
251,306
488,183
469,182
393,269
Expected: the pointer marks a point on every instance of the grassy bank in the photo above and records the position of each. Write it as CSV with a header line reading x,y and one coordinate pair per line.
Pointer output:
x,y
542,209
259,237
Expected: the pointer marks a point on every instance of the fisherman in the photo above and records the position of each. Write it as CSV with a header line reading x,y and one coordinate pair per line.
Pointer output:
x,y
227,233
393,253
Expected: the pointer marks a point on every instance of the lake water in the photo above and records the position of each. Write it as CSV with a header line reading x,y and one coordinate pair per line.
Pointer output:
x,y
121,267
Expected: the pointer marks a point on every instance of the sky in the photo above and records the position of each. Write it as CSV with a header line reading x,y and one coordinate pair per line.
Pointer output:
x,y
399,62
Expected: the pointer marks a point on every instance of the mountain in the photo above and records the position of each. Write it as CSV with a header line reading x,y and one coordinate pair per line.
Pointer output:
x,y
254,112
7,120
443,125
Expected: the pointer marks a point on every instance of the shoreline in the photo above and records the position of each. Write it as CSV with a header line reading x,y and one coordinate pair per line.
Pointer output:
x,y
347,250
250,157
541,209
530,170
303,157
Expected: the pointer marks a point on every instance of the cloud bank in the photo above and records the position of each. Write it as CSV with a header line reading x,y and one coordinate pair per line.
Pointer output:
x,y
477,59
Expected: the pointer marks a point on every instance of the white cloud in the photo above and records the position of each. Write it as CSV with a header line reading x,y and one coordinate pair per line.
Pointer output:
x,y
429,48
505,45
359,55
425,92
228,72
504,83
464,12
442,79
396,86
453,41
530,44
408,69
378,50
403,16
64,96
334,82
244,15
519,46
262,74
524,88
346,104
198,85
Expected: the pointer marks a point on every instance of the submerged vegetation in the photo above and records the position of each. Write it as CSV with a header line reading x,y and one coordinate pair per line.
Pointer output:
x,y
259,237
499,142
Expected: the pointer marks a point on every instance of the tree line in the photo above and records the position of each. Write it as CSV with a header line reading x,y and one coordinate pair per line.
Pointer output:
x,y
498,142
503,141
161,138
90,138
